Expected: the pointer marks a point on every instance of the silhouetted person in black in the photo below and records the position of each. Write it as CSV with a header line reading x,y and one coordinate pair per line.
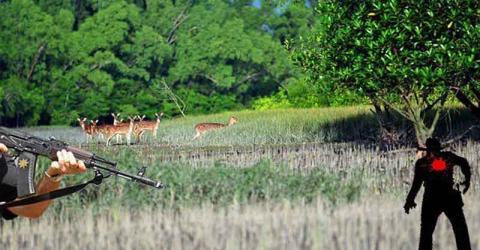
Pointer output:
x,y
435,171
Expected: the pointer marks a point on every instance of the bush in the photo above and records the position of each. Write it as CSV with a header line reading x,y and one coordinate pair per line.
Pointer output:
x,y
301,95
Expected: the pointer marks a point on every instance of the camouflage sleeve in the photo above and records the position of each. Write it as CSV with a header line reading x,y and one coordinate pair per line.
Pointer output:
x,y
417,181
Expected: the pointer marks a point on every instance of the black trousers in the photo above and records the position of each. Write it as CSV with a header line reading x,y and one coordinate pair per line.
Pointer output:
x,y
452,207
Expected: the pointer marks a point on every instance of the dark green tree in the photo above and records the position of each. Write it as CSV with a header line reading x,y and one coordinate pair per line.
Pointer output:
x,y
62,60
405,55
220,54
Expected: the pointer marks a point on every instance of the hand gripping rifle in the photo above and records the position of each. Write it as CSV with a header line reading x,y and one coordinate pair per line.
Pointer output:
x,y
28,147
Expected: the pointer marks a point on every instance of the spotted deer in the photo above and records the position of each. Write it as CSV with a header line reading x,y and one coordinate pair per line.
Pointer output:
x,y
87,128
202,128
100,129
140,118
120,129
142,126
117,121
94,127
115,118
136,130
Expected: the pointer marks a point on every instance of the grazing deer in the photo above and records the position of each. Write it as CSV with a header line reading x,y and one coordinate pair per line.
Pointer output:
x,y
120,129
87,128
202,128
143,126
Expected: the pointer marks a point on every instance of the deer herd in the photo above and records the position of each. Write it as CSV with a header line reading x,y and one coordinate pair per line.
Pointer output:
x,y
137,126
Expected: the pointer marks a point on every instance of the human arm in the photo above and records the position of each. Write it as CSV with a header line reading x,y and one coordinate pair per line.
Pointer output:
x,y
465,167
66,164
416,185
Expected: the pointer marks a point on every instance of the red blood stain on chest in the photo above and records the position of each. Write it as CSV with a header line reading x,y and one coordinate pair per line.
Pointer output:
x,y
439,164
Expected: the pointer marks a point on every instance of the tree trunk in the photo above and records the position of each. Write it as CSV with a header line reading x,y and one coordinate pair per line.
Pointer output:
x,y
388,133
465,101
421,136
39,54
422,132
78,14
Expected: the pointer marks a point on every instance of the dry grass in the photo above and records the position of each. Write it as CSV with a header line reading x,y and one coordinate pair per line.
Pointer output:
x,y
381,172
292,138
376,222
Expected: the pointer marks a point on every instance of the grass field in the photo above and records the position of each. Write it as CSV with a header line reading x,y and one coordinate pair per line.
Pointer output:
x,y
284,179
376,222
255,127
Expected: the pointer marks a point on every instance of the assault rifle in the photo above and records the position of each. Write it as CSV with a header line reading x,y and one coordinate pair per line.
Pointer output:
x,y
27,147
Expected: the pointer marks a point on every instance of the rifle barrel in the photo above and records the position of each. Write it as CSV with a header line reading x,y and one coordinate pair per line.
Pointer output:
x,y
131,177
22,141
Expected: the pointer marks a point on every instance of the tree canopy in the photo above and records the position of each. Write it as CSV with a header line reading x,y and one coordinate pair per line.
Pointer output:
x,y
406,55
62,60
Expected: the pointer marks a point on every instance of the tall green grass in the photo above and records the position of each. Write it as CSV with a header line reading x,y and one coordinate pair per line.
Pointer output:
x,y
218,185
280,127
283,126
338,173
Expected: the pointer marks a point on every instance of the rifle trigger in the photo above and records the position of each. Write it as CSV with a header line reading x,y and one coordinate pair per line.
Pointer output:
x,y
142,170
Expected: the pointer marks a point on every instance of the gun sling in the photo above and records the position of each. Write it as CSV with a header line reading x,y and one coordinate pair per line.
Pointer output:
x,y
97,180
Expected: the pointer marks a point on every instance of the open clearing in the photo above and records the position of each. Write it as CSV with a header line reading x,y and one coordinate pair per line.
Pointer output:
x,y
289,179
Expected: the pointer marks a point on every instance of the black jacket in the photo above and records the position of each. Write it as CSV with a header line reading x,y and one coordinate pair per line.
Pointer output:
x,y
435,171
7,193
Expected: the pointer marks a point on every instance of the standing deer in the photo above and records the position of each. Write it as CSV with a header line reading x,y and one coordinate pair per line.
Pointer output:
x,y
115,118
140,118
136,129
87,128
94,128
143,126
101,130
120,129
116,122
202,128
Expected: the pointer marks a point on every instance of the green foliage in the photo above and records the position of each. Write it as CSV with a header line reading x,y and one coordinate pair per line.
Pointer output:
x,y
91,58
128,110
375,47
216,49
301,95
20,102
219,185
290,21
412,51
279,100
199,103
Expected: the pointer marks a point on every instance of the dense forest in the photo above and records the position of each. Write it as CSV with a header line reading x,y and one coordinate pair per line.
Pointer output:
x,y
60,60
63,59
